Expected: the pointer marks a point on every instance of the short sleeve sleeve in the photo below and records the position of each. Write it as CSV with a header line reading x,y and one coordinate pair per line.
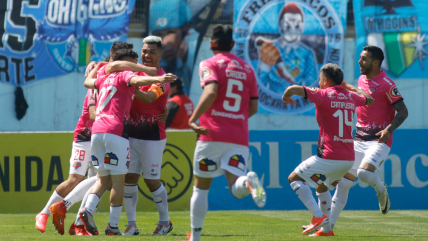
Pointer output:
x,y
126,77
393,95
359,100
315,94
207,74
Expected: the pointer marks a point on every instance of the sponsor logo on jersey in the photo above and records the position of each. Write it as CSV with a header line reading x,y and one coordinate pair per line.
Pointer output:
x,y
95,161
318,178
393,92
341,96
111,158
207,165
238,162
234,64
77,164
313,90
221,63
331,95
372,90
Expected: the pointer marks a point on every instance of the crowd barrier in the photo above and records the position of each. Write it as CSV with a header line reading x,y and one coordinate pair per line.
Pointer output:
x,y
33,164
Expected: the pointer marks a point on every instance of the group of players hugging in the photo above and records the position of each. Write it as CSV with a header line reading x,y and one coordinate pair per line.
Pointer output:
x,y
121,136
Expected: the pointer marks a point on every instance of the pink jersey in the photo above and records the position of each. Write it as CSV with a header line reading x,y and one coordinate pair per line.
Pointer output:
x,y
374,118
114,102
144,123
335,108
84,125
227,118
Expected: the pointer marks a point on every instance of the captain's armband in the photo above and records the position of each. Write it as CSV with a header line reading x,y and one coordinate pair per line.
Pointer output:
x,y
158,89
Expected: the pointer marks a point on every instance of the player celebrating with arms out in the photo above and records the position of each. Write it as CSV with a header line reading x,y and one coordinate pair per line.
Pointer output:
x,y
335,108
229,98
110,147
375,124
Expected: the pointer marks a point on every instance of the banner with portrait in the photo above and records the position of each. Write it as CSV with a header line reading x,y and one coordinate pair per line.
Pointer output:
x,y
45,38
400,29
287,42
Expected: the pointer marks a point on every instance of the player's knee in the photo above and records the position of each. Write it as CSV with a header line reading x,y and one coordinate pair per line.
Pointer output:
x,y
132,178
363,174
321,188
152,184
73,180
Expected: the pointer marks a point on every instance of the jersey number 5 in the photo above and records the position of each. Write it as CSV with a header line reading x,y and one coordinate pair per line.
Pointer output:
x,y
237,97
103,99
339,114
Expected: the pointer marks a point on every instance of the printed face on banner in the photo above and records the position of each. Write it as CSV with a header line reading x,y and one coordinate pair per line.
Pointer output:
x,y
399,29
63,36
287,42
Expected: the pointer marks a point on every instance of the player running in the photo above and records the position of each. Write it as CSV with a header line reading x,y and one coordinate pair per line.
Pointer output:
x,y
110,147
375,125
79,162
147,139
229,98
335,108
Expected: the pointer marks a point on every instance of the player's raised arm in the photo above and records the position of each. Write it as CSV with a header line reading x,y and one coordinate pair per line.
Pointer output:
x,y
90,80
293,90
148,80
126,65
350,87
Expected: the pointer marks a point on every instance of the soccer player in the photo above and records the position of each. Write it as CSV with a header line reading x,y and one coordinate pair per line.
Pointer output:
x,y
110,147
79,162
335,108
375,125
147,139
229,98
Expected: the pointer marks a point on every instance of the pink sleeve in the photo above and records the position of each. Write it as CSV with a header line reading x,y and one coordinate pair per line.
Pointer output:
x,y
98,82
254,89
315,94
101,71
126,76
392,94
207,73
359,100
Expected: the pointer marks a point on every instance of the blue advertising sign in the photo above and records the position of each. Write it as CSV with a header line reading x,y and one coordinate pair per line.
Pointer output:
x,y
287,42
275,154
47,38
399,28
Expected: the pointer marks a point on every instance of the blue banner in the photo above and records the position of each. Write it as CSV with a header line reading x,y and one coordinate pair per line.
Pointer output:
x,y
47,38
275,154
399,28
287,42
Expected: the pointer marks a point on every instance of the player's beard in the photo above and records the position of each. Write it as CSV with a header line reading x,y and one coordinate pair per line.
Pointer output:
x,y
365,70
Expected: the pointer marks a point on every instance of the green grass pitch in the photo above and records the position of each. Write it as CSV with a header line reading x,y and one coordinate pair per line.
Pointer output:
x,y
238,225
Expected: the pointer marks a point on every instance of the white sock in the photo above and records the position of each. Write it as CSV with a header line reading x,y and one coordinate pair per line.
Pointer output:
x,y
372,179
339,199
114,216
239,188
55,197
198,207
196,234
92,203
160,197
82,205
130,201
324,203
77,194
305,195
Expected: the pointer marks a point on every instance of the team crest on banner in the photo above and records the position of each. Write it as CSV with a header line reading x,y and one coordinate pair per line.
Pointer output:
x,y
47,38
287,42
399,28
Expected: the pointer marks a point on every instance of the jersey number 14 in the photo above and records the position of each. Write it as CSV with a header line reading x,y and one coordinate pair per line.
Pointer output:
x,y
339,114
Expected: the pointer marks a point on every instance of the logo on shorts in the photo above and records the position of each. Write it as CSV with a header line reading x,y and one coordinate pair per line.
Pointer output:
x,y
176,172
334,184
76,165
95,161
111,158
127,164
207,165
318,178
238,162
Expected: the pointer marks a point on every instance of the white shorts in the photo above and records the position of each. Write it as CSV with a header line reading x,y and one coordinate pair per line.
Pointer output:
x,y
146,157
316,170
80,158
371,152
110,154
212,159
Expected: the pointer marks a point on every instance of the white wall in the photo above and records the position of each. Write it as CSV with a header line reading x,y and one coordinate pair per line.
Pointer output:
x,y
55,104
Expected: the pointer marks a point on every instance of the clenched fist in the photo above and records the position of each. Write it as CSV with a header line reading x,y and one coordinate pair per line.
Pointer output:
x,y
268,53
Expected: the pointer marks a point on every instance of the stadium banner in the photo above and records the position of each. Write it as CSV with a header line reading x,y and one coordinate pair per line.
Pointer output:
x,y
46,38
32,165
286,42
400,29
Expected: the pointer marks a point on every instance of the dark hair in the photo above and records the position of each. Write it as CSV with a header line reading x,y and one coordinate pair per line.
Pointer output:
x,y
107,59
177,83
333,72
222,38
123,53
377,53
120,45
